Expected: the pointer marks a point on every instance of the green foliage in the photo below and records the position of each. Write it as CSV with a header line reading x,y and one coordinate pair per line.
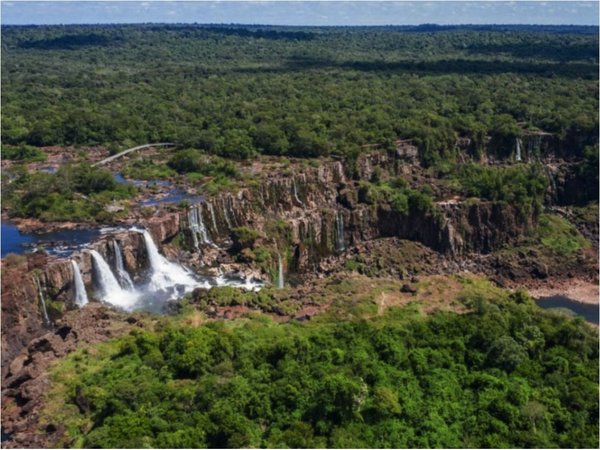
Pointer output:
x,y
216,173
239,90
23,152
521,186
74,192
244,237
398,194
504,375
146,169
559,235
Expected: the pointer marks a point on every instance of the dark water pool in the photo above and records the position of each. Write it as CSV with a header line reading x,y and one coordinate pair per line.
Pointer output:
x,y
587,311
61,243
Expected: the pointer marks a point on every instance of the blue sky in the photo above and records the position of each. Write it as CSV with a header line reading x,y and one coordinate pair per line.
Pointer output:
x,y
301,12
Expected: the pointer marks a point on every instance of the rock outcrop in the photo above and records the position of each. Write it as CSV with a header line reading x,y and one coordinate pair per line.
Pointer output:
x,y
318,212
27,381
47,282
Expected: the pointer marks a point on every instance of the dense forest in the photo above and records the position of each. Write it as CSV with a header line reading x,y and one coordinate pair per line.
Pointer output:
x,y
239,91
504,375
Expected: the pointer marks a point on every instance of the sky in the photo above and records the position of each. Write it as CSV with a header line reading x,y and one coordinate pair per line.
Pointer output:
x,y
21,12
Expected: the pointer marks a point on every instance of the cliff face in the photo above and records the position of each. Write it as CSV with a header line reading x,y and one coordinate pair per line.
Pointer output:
x,y
317,212
568,186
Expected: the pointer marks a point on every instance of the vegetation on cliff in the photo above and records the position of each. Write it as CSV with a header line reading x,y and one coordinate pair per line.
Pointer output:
x,y
505,374
523,186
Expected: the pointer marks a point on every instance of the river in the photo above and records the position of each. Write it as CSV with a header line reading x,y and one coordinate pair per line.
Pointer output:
x,y
589,312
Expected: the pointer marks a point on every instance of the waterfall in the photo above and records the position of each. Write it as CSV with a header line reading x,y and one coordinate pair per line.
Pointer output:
x,y
80,294
227,219
518,157
124,278
280,280
193,225
110,289
165,274
197,225
295,189
43,300
213,218
339,225
226,212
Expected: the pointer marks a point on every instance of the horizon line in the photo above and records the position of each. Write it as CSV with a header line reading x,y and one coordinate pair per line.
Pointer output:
x,y
302,26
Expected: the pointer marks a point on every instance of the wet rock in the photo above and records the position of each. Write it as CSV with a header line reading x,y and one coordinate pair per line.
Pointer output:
x,y
408,289
172,307
24,390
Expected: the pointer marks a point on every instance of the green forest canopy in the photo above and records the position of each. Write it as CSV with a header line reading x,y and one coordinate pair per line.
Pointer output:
x,y
504,375
237,91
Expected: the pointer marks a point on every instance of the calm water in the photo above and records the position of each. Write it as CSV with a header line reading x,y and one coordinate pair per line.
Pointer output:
x,y
588,312
174,194
61,243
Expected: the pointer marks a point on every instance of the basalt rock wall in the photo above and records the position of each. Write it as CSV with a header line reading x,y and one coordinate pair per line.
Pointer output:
x,y
318,213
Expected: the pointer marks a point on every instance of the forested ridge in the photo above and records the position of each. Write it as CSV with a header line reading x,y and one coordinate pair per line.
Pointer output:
x,y
503,375
238,91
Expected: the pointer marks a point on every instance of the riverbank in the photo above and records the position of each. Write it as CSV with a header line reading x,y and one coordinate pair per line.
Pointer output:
x,y
581,291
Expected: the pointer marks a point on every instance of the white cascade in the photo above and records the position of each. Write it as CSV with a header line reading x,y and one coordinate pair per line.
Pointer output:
x,y
193,225
81,298
518,156
213,218
227,219
295,189
110,289
339,224
196,222
165,274
280,280
228,210
124,278
43,300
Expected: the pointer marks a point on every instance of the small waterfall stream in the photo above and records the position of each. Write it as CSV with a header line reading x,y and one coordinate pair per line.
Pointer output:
x,y
227,219
339,235
110,289
518,156
213,218
227,211
295,190
280,280
199,233
124,278
43,301
81,297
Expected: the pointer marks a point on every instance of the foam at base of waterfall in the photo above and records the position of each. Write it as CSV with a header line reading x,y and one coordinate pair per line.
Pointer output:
x,y
246,284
